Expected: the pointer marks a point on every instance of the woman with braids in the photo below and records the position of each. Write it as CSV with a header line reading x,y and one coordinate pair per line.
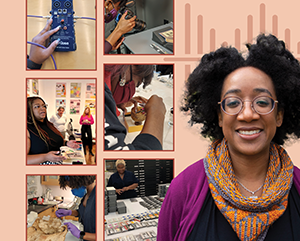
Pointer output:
x,y
120,84
83,187
43,139
246,188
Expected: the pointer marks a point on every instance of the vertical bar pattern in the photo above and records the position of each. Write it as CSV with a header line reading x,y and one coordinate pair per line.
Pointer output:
x,y
249,29
212,39
187,28
187,71
287,38
224,44
275,25
262,22
200,35
237,39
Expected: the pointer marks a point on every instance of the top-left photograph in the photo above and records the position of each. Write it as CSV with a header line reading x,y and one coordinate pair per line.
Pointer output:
x,y
61,34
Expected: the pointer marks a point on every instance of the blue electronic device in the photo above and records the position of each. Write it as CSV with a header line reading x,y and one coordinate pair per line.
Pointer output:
x,y
62,14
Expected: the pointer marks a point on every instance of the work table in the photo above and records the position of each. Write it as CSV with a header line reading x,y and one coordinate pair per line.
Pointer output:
x,y
39,207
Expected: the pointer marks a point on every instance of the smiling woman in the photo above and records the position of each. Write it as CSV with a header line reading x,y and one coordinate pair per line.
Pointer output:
x,y
43,139
246,188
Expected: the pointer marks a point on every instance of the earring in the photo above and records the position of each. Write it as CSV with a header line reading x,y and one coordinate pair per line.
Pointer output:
x,y
122,81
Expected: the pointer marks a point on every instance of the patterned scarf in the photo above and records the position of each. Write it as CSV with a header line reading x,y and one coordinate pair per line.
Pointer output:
x,y
249,218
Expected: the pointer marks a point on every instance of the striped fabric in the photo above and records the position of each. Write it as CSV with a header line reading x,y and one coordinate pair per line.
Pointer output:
x,y
249,217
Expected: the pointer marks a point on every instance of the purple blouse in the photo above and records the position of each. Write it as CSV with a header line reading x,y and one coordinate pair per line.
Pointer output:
x,y
184,200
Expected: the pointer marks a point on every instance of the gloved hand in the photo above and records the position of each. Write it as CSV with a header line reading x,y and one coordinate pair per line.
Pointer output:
x,y
73,229
63,212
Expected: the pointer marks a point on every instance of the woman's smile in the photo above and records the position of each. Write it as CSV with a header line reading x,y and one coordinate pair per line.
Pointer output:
x,y
248,132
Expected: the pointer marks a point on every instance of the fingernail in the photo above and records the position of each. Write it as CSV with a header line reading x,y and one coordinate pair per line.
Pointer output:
x,y
50,17
58,40
57,28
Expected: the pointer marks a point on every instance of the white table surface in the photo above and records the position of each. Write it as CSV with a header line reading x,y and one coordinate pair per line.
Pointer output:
x,y
132,208
165,91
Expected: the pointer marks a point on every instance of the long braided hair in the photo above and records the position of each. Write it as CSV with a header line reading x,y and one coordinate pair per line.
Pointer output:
x,y
31,120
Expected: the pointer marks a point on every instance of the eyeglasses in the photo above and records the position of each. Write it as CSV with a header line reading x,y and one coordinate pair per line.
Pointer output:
x,y
40,106
262,105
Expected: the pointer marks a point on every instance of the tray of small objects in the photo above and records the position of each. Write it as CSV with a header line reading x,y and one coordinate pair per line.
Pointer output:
x,y
144,236
72,155
131,222
151,203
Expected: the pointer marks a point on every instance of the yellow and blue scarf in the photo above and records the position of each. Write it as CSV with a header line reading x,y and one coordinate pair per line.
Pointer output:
x,y
249,218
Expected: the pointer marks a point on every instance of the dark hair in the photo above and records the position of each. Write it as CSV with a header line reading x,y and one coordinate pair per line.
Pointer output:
x,y
61,107
122,2
115,69
145,72
75,181
32,121
204,85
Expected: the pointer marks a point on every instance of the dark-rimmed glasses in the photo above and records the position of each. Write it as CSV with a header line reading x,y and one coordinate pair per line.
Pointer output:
x,y
262,105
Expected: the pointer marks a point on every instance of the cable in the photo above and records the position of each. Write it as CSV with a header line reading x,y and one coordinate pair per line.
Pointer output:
x,y
37,16
75,17
43,48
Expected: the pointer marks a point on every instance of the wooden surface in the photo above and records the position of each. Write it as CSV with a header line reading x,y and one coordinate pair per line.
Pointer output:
x,y
46,180
84,57
50,211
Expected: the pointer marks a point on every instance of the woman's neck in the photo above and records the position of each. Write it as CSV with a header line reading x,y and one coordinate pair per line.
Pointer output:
x,y
250,168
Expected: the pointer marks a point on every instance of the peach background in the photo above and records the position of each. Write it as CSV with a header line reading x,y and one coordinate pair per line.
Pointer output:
x,y
223,16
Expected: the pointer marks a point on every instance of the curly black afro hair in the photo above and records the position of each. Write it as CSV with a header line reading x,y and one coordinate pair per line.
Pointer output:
x,y
75,181
204,85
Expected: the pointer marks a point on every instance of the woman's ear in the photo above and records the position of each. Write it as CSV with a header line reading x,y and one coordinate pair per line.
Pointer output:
x,y
279,117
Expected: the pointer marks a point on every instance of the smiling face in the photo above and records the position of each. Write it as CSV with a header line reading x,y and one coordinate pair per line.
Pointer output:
x,y
249,133
60,111
39,111
87,111
120,168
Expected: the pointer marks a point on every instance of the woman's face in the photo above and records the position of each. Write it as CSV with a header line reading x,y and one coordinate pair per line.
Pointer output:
x,y
109,5
39,109
61,111
121,168
249,133
87,111
131,76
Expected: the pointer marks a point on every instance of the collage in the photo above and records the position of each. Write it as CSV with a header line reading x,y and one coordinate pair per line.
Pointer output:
x,y
145,120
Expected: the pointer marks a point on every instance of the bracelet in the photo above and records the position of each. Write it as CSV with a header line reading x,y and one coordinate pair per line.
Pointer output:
x,y
32,65
82,233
